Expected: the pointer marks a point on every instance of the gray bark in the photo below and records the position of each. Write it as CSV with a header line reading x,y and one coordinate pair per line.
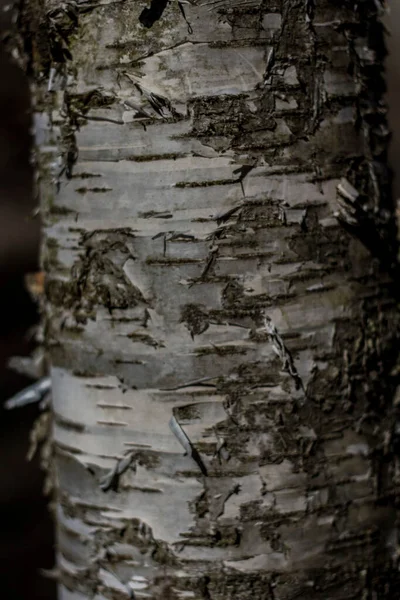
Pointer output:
x,y
202,297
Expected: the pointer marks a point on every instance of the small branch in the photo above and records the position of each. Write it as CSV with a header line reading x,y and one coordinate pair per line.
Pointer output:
x,y
34,393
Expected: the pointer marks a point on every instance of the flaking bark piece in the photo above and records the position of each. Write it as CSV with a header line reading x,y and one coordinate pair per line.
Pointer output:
x,y
110,481
186,444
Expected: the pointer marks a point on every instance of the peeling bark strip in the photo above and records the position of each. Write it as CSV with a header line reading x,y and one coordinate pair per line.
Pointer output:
x,y
197,275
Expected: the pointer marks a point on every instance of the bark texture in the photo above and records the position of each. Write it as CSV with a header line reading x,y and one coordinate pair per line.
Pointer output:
x,y
201,296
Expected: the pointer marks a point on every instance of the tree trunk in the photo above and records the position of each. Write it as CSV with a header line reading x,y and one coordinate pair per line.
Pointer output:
x,y
223,363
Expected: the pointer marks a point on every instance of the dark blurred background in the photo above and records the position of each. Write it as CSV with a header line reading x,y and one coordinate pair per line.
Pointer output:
x,y
26,538
392,22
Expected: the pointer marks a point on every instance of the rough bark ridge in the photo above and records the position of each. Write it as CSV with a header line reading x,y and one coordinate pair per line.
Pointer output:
x,y
201,293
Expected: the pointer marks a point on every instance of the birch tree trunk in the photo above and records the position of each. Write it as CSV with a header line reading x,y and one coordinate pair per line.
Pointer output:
x,y
203,297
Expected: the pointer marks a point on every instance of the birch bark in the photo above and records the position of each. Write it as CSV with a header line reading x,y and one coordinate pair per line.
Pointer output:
x,y
201,293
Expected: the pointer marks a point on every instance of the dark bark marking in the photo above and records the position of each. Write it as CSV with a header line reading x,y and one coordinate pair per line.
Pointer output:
x,y
172,236
149,16
190,28
68,424
196,382
153,214
243,171
97,276
208,268
95,190
195,318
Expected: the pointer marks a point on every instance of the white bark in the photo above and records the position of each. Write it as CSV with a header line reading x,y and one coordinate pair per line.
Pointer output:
x,y
163,259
